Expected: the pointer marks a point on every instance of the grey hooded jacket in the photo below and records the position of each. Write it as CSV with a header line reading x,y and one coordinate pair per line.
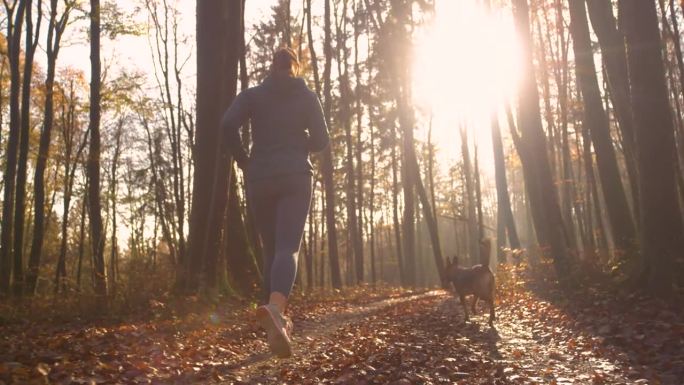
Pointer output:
x,y
287,124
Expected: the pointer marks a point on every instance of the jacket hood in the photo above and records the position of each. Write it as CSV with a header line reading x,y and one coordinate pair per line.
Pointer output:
x,y
285,85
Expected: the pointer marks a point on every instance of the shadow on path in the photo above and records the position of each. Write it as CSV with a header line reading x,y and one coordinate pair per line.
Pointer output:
x,y
643,336
261,366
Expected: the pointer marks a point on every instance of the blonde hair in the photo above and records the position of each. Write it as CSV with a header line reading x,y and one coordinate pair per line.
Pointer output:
x,y
285,62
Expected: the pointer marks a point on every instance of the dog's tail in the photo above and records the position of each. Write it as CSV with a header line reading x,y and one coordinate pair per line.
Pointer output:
x,y
485,251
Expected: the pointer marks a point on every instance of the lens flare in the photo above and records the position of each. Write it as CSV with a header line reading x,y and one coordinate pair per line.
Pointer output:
x,y
467,61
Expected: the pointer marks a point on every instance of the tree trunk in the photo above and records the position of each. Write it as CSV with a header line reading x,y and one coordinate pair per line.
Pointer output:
x,y
545,83
81,237
93,165
218,54
3,68
561,72
428,213
531,189
576,187
317,85
165,30
395,207
31,44
244,84
478,200
471,206
661,223
503,199
157,185
371,203
585,199
400,16
114,247
679,128
346,117
614,56
56,29
431,168
239,255
323,239
621,221
287,33
14,52
70,165
328,168
529,119
311,243
408,183
359,148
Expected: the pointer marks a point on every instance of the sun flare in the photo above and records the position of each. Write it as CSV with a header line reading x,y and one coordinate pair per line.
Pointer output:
x,y
467,61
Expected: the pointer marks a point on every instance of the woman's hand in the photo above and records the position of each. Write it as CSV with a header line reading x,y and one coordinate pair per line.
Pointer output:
x,y
242,164
242,160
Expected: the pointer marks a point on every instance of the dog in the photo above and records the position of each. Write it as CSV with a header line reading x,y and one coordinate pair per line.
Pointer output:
x,y
478,280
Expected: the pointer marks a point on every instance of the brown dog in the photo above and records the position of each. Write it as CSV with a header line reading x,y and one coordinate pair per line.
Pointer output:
x,y
477,280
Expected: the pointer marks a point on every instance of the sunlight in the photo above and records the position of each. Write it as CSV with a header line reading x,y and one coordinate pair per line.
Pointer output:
x,y
467,62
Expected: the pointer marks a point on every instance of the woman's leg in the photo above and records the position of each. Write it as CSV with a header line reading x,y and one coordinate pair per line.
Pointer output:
x,y
293,208
264,205
288,206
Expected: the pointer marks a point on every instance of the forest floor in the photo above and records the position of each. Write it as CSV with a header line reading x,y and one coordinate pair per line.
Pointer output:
x,y
593,335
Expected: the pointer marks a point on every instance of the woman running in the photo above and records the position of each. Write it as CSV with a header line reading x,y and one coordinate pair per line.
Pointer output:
x,y
287,124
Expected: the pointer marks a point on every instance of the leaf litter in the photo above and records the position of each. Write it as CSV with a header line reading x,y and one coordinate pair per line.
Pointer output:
x,y
370,336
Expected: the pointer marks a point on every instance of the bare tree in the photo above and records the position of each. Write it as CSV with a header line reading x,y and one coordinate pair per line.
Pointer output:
x,y
505,218
113,192
471,206
543,192
611,41
30,46
661,222
70,138
168,69
14,32
218,54
56,26
346,118
327,167
97,238
596,119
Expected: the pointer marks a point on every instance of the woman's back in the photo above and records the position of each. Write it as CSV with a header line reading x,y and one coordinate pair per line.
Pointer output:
x,y
286,124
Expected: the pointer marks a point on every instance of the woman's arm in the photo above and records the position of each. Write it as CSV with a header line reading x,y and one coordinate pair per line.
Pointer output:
x,y
234,118
318,129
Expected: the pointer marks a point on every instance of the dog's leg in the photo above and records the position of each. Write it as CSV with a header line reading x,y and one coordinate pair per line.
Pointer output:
x,y
474,308
492,316
492,291
464,305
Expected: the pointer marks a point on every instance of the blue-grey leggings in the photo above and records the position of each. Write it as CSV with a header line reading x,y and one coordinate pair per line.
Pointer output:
x,y
280,206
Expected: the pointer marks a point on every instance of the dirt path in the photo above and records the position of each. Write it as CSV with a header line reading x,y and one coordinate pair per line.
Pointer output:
x,y
363,336
312,335
421,339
